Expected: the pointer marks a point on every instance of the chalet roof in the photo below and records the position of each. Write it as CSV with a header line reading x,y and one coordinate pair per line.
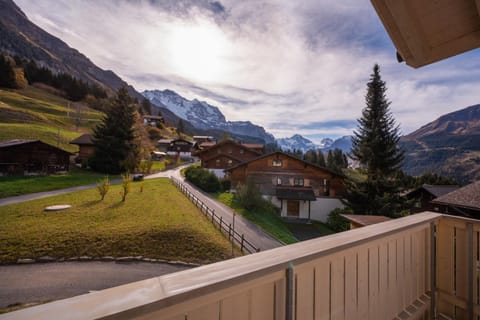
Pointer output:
x,y
295,193
465,197
219,155
206,146
84,139
253,145
164,141
152,117
19,142
15,142
365,220
181,140
435,190
286,155
428,31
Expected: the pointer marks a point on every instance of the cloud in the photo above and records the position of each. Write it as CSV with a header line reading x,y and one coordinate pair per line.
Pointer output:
x,y
290,66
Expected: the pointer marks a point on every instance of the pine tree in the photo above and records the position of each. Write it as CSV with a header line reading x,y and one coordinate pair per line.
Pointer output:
x,y
375,147
321,159
146,106
7,72
116,148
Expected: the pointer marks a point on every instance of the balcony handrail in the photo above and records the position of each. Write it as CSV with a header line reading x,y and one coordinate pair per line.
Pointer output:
x,y
147,296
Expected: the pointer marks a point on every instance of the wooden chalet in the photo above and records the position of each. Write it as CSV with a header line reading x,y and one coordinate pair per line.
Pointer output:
x,y
428,31
153,121
85,146
28,157
180,148
301,189
226,154
464,201
422,197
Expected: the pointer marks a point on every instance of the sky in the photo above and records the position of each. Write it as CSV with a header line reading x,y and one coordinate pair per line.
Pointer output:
x,y
293,67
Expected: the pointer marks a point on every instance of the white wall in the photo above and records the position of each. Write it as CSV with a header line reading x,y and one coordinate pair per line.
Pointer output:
x,y
218,172
319,209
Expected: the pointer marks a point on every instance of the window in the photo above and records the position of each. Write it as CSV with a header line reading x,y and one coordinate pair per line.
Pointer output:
x,y
277,163
326,187
217,162
279,181
242,151
230,162
230,151
298,182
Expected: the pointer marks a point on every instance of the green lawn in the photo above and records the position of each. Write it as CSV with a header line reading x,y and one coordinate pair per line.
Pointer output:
x,y
156,223
32,113
267,219
18,185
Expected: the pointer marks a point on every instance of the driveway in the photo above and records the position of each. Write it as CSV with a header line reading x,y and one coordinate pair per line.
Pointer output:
x,y
40,282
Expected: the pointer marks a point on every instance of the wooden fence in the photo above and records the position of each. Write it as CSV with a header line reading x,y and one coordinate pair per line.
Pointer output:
x,y
227,228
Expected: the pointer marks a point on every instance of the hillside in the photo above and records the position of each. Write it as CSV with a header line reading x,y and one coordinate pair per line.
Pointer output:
x,y
449,146
20,37
33,113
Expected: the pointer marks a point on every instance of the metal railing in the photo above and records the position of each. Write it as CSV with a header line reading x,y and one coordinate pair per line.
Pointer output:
x,y
227,228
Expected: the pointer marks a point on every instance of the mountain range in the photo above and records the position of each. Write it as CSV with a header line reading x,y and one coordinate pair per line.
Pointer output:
x,y
449,146
205,116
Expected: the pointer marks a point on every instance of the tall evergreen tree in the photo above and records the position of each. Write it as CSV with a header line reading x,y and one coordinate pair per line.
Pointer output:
x,y
375,147
321,159
7,72
116,148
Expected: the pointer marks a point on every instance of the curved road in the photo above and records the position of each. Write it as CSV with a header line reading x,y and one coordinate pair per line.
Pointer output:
x,y
51,281
41,282
252,232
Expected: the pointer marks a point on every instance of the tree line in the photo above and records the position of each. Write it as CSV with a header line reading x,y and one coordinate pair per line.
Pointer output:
x,y
16,73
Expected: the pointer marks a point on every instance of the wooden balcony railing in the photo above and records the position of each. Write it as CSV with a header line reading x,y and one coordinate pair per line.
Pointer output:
x,y
383,271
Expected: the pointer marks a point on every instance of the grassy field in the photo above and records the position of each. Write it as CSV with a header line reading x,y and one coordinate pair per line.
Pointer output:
x,y
32,113
156,223
267,220
18,185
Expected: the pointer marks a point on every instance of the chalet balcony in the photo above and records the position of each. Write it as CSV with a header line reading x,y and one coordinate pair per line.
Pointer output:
x,y
424,266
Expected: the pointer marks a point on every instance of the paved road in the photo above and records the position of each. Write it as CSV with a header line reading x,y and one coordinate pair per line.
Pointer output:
x,y
52,281
252,232
46,194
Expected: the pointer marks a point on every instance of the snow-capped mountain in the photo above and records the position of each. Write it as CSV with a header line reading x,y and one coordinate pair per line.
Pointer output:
x,y
344,143
203,115
298,142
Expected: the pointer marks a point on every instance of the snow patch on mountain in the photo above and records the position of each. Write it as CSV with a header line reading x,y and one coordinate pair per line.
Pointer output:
x,y
205,116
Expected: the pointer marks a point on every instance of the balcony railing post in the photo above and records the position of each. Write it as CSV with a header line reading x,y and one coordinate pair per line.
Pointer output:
x,y
470,270
433,270
290,279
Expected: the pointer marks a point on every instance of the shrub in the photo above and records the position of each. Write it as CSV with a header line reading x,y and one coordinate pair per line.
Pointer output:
x,y
126,185
336,222
248,196
225,184
145,166
203,179
103,186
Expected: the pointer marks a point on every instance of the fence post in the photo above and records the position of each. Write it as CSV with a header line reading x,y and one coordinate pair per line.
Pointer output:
x,y
229,231
221,221
241,244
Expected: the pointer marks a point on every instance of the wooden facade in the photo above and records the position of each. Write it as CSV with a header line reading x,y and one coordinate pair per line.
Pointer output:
x,y
19,157
227,154
423,196
299,188
85,146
